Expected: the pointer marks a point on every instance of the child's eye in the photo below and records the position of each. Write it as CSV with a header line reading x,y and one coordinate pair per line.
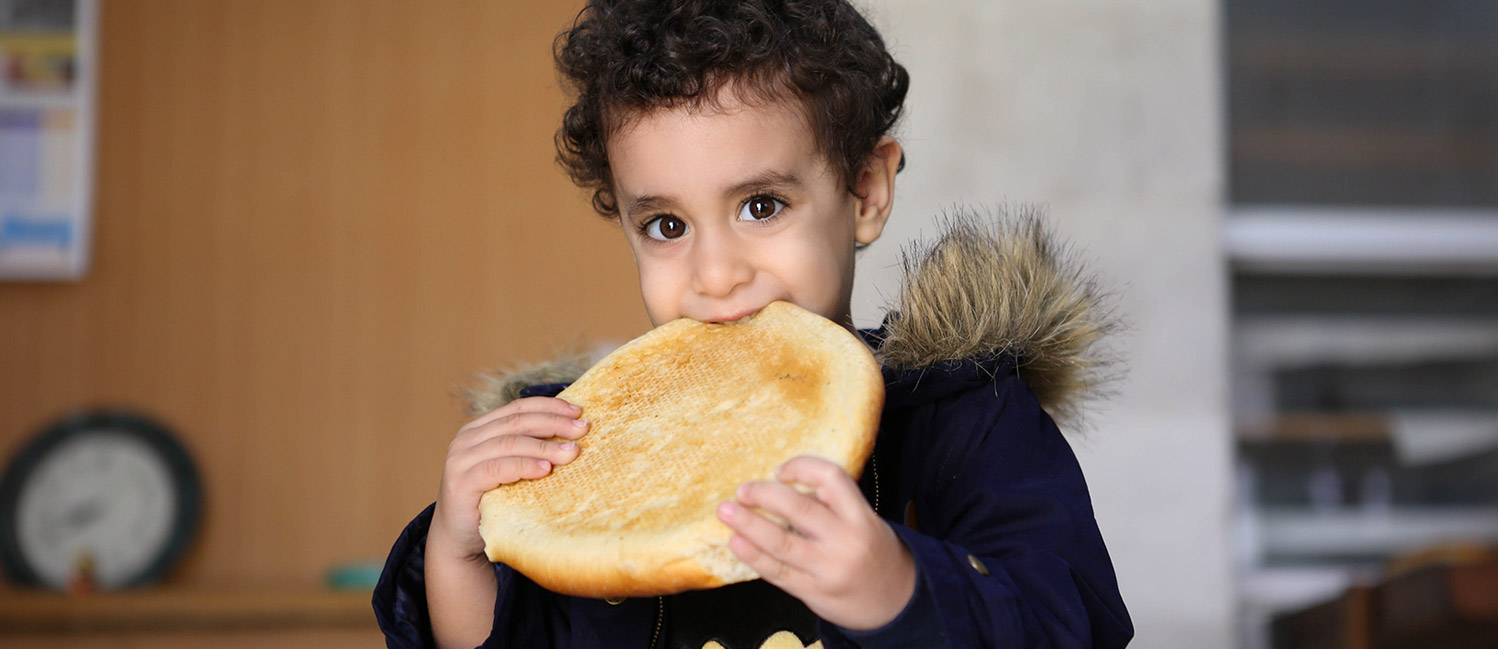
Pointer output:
x,y
664,228
760,208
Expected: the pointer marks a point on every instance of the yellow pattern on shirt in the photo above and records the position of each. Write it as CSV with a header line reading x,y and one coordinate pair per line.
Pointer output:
x,y
781,640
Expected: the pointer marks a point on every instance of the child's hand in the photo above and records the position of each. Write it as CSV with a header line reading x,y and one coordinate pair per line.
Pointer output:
x,y
838,557
510,443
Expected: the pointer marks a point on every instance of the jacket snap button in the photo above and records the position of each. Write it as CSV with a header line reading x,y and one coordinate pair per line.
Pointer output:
x,y
977,565
614,601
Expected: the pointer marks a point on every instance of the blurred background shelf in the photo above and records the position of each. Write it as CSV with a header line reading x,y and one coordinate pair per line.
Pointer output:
x,y
1319,53
1362,241
1390,241
1270,341
1371,534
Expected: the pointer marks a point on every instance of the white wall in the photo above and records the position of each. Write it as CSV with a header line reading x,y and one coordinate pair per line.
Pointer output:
x,y
1109,112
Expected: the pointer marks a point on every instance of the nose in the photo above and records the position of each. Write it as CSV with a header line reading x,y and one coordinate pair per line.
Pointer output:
x,y
719,265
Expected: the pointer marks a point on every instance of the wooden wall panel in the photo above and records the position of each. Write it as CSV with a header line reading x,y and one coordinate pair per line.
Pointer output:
x,y
314,220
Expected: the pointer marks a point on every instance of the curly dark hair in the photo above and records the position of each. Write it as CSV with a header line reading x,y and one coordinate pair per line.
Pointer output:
x,y
624,58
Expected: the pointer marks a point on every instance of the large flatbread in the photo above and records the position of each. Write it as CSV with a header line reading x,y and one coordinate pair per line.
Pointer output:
x,y
679,418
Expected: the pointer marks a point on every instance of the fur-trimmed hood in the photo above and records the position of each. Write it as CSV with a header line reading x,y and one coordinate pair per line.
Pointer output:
x,y
989,287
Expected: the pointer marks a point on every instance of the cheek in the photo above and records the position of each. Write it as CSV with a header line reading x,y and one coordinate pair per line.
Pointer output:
x,y
820,277
657,291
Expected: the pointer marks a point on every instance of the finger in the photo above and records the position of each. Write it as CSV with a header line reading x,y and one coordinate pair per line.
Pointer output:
x,y
780,543
557,452
505,470
539,425
551,405
801,511
770,569
831,484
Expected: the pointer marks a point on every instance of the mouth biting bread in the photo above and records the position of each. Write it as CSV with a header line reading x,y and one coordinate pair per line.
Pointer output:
x,y
679,417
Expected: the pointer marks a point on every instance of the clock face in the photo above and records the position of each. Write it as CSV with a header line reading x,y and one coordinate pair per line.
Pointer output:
x,y
112,490
104,494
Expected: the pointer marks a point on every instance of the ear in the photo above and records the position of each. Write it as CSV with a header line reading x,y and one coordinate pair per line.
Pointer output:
x,y
875,194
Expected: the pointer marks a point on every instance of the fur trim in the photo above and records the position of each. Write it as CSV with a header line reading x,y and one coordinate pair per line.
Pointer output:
x,y
989,286
1003,286
497,388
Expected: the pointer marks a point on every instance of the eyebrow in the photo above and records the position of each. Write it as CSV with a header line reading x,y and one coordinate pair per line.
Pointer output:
x,y
769,180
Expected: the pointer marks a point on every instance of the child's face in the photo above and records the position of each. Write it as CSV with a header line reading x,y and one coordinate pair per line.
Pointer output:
x,y
731,208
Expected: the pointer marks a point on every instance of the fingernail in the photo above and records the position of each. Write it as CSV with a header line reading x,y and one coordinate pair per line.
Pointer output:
x,y
545,466
575,407
727,509
580,422
742,491
567,446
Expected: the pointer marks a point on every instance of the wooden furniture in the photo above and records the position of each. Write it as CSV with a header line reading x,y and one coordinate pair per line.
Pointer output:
x,y
189,616
1447,606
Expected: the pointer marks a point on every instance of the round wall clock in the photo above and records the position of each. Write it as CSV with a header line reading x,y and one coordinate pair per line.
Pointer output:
x,y
111,493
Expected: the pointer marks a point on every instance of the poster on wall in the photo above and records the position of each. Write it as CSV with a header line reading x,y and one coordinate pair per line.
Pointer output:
x,y
47,79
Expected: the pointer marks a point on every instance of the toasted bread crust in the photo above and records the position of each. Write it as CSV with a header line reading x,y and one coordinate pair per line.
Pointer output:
x,y
679,418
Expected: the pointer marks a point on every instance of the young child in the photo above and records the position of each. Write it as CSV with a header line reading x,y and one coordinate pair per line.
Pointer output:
x,y
743,147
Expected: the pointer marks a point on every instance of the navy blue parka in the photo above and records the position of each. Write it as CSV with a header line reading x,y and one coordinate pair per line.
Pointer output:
x,y
969,471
